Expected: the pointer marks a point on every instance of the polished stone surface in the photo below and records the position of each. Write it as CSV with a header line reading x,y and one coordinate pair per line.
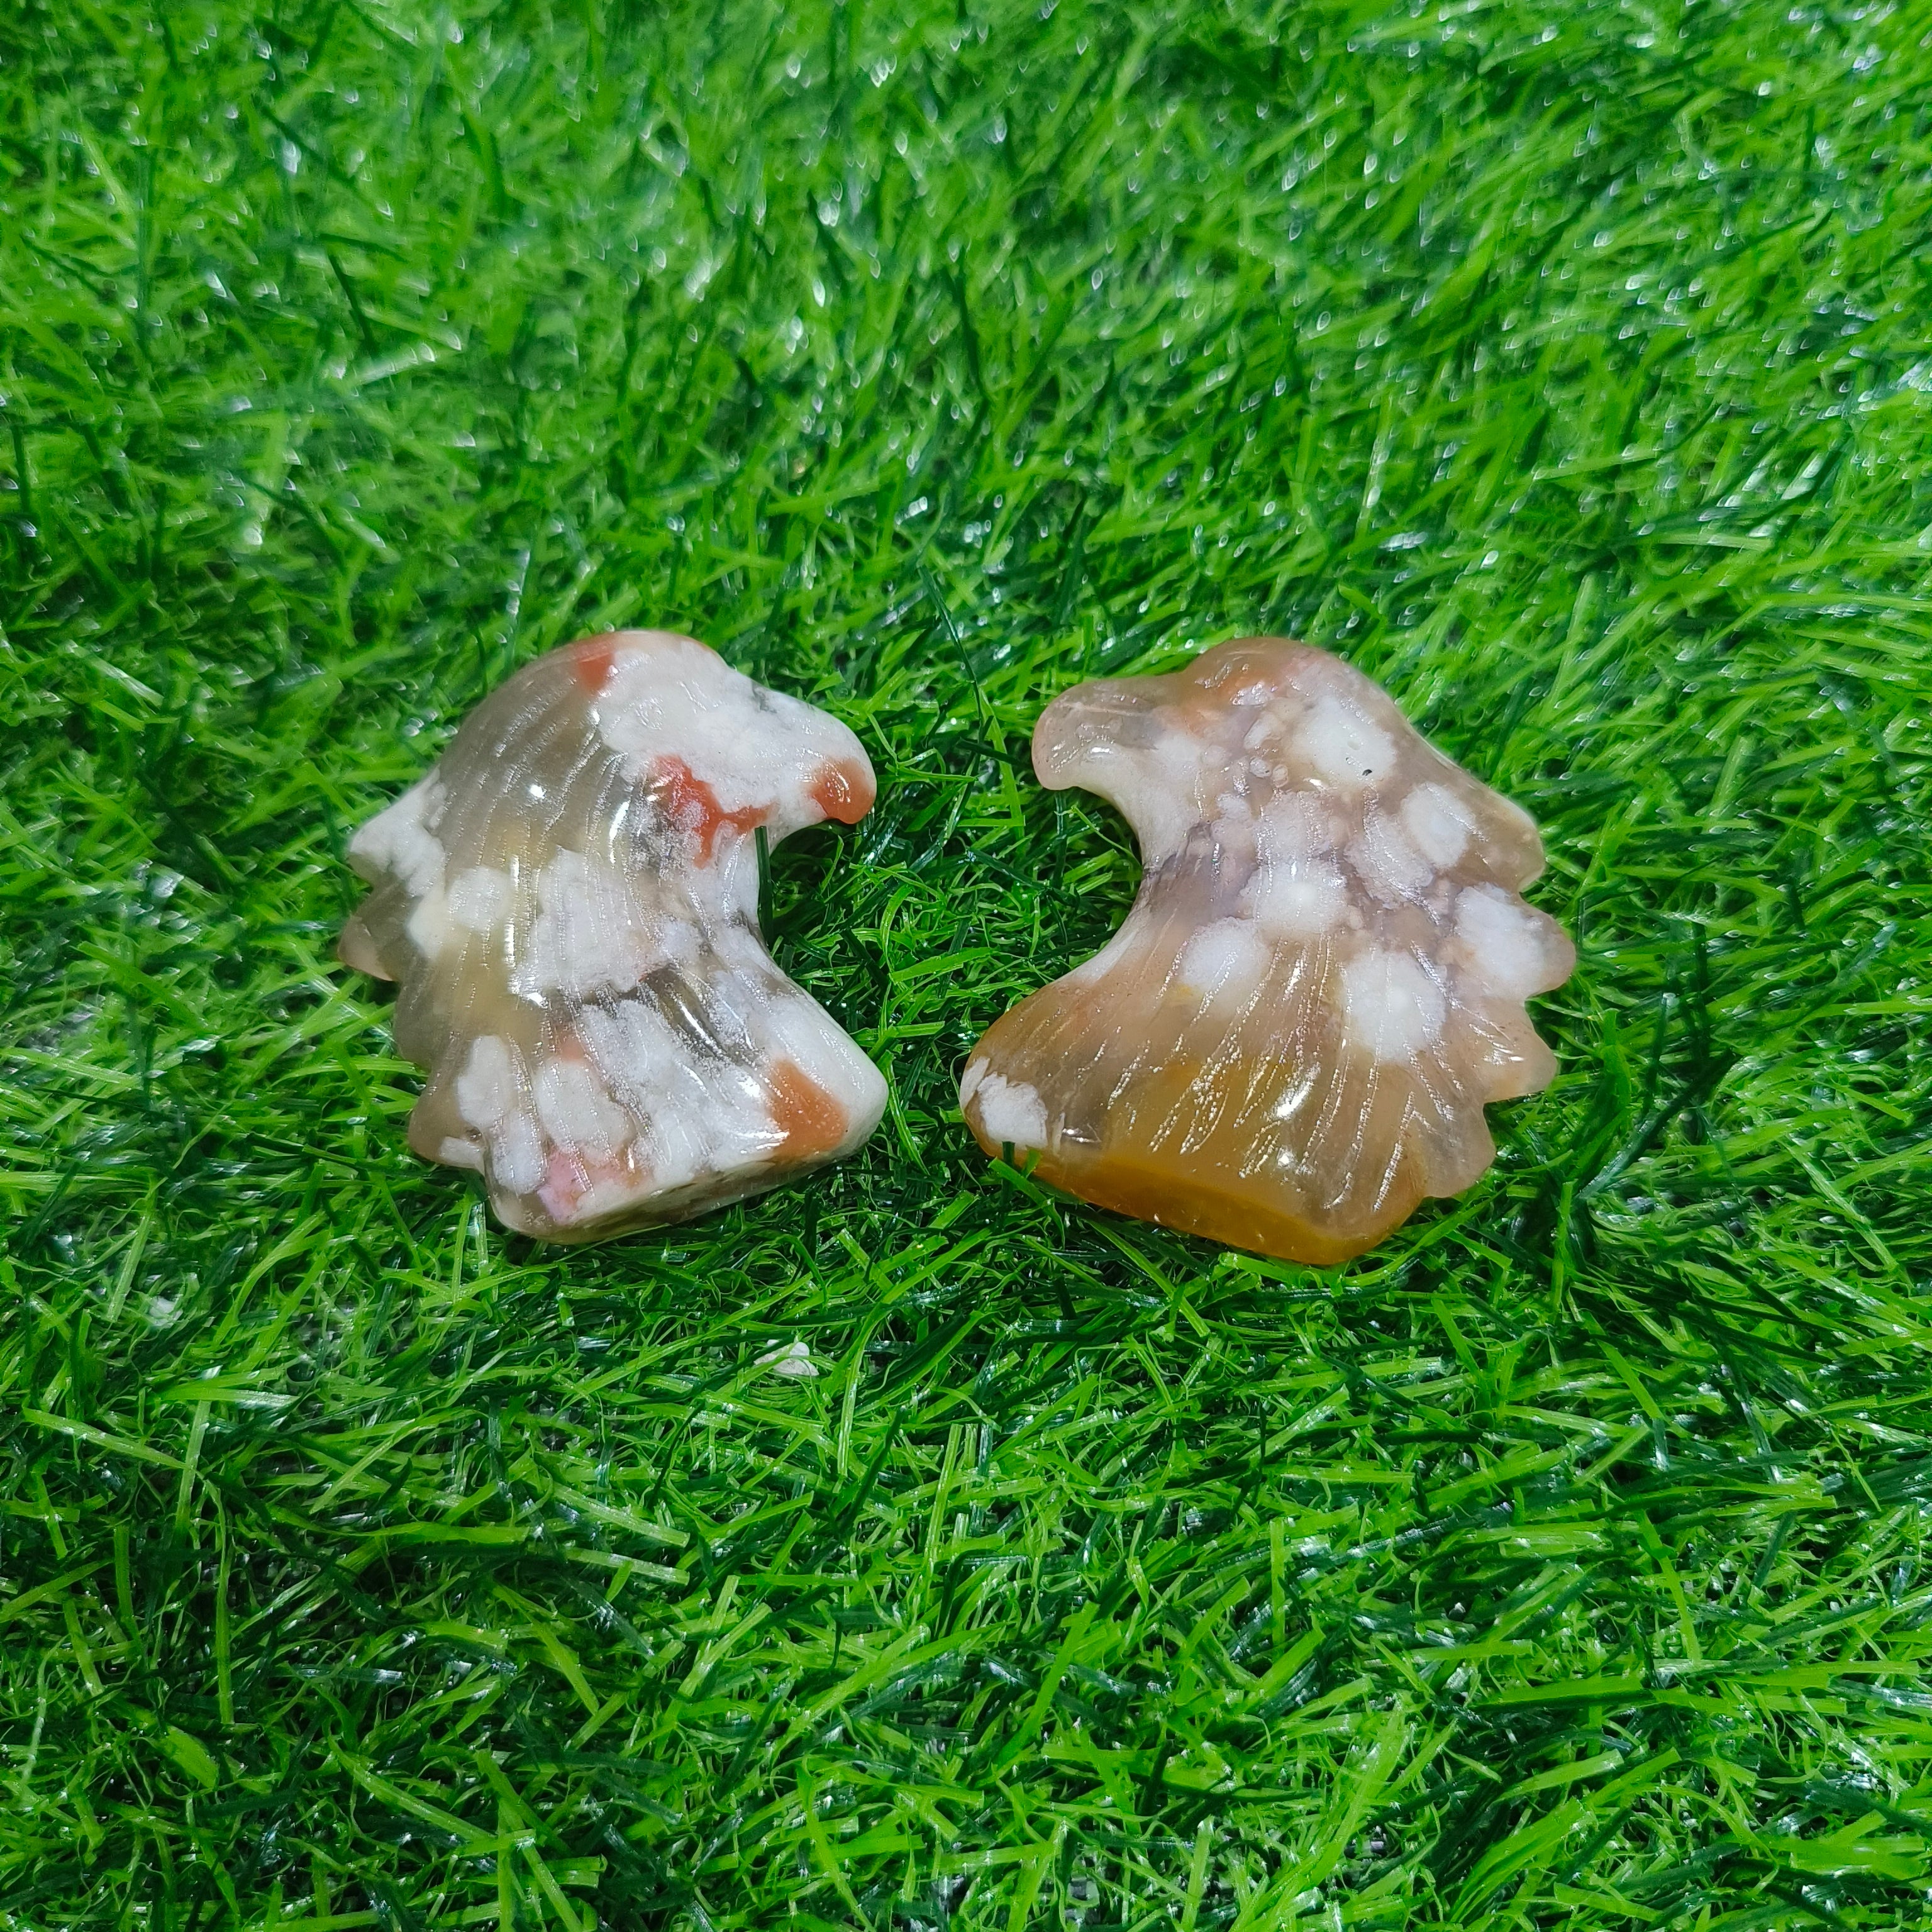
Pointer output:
x,y
1290,1041
568,901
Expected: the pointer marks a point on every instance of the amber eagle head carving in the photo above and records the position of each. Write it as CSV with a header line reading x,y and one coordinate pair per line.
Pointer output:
x,y
1290,1041
568,901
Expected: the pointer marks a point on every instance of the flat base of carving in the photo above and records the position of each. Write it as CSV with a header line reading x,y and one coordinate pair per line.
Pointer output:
x,y
1196,1203
525,1214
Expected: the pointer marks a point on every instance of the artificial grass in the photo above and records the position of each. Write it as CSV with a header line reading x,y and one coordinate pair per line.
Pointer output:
x,y
1559,1562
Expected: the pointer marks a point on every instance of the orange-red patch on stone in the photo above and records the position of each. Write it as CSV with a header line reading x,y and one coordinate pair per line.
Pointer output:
x,y
690,804
570,1177
591,661
843,791
565,1183
811,1120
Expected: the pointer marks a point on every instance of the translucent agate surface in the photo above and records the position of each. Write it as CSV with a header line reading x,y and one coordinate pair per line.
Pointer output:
x,y
1290,1041
569,902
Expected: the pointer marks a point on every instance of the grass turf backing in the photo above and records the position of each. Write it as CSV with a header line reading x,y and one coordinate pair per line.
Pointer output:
x,y
1560,1562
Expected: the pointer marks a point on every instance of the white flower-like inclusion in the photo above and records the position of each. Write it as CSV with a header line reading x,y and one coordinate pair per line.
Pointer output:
x,y
1290,1040
569,900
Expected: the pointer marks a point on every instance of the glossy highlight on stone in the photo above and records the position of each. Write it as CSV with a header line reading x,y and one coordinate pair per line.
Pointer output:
x,y
1290,1041
569,900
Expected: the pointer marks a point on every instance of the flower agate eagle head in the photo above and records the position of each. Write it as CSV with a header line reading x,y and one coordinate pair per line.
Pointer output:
x,y
569,902
1290,1041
